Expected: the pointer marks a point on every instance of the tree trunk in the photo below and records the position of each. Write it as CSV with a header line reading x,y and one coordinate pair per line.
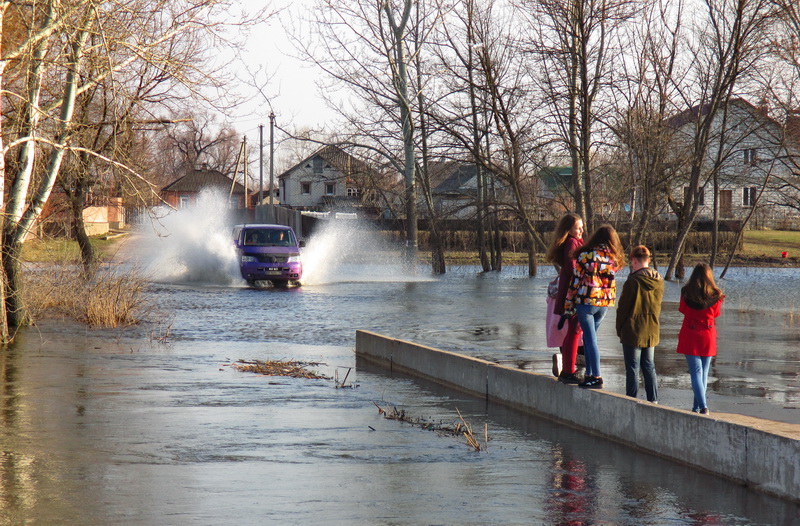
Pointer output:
x,y
4,335
16,313
88,257
533,263
401,85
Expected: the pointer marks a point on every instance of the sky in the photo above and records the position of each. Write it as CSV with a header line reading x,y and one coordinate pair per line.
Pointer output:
x,y
292,90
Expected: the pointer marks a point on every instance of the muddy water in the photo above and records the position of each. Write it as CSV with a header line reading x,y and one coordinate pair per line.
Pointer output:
x,y
153,426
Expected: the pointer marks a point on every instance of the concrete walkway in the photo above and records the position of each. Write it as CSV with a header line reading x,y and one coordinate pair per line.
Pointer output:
x,y
762,454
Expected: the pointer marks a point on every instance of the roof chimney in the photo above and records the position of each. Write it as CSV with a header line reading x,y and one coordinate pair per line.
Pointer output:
x,y
792,127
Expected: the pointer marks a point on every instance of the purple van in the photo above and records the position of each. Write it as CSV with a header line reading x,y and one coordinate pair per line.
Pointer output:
x,y
268,253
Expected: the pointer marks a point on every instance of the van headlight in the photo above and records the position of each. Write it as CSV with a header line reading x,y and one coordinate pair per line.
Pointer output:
x,y
294,259
249,259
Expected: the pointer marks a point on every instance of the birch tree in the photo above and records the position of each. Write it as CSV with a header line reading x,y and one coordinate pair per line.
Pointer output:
x,y
59,50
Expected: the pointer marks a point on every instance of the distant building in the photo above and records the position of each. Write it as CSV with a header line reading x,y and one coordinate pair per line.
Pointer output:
x,y
330,179
183,191
454,190
556,189
101,215
756,152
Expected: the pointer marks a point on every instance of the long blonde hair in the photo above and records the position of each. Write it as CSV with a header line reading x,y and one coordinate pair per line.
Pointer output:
x,y
555,254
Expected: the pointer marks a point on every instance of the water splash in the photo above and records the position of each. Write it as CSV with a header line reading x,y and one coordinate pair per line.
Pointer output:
x,y
192,244
351,250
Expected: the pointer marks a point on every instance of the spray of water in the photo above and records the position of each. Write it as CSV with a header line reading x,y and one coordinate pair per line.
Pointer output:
x,y
192,244
351,250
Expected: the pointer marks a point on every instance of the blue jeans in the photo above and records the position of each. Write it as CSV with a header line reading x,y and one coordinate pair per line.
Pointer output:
x,y
590,317
634,357
698,371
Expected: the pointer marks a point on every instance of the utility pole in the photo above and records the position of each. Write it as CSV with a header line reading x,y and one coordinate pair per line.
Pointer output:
x,y
260,164
244,148
271,165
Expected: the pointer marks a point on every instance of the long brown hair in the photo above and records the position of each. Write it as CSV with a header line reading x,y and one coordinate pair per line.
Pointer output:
x,y
555,254
701,291
605,235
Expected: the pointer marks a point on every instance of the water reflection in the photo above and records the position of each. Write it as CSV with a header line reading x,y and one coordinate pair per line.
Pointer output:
x,y
115,427
126,431
573,495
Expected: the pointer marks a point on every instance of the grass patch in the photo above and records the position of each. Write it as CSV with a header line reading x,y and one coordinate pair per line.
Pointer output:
x,y
45,250
770,243
759,248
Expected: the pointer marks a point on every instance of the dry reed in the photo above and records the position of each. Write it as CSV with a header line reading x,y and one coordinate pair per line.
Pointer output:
x,y
109,299
461,428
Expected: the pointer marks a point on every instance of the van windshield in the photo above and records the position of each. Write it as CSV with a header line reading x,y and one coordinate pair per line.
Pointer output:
x,y
269,237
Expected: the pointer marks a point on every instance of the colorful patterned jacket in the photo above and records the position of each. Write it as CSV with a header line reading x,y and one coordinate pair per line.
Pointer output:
x,y
595,280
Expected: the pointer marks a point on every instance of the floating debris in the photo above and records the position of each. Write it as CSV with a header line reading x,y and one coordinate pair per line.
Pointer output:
x,y
343,383
460,428
290,368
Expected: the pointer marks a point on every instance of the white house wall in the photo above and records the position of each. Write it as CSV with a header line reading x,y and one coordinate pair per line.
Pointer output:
x,y
747,133
293,185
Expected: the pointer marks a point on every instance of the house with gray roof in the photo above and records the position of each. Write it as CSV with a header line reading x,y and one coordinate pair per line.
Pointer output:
x,y
330,179
183,192
751,150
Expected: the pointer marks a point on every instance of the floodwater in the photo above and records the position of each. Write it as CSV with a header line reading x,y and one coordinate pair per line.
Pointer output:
x,y
153,426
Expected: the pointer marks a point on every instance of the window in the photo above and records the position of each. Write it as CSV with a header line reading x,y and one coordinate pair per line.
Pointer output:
x,y
184,201
749,196
330,188
305,188
317,165
750,156
701,195
352,192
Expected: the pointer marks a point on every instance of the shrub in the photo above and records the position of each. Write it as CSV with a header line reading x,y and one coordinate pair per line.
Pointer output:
x,y
110,299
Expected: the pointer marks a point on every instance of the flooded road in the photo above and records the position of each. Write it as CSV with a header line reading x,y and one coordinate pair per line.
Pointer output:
x,y
154,426
102,428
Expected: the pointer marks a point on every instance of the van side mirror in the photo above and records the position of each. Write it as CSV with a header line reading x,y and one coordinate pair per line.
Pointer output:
x,y
302,243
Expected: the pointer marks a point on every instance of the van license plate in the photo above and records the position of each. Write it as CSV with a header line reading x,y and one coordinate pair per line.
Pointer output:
x,y
273,273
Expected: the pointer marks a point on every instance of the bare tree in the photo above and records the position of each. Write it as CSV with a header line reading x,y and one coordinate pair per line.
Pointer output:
x,y
489,110
726,45
367,47
647,95
572,42
200,140
465,118
62,50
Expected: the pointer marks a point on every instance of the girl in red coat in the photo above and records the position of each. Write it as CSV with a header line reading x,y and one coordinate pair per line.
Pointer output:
x,y
701,304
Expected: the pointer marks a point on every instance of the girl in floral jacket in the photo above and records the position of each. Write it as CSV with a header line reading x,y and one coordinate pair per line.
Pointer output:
x,y
593,291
